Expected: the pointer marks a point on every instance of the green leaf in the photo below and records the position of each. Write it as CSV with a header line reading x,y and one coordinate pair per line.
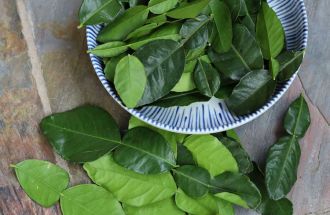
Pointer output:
x,y
166,33
289,63
130,187
249,23
206,205
162,18
186,83
241,156
224,92
270,33
237,8
223,23
236,188
163,61
188,10
143,30
143,155
243,57
232,134
193,54
206,78
274,67
193,180
110,49
281,166
82,134
253,90
110,67
190,66
224,207
211,154
161,6
195,32
94,12
130,80
86,199
297,118
184,156
253,6
123,25
172,138
180,99
41,180
166,206
269,206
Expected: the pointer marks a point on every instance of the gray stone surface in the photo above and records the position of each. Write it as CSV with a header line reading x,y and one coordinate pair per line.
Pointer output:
x,y
44,68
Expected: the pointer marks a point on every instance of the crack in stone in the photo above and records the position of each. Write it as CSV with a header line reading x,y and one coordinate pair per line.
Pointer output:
x,y
311,102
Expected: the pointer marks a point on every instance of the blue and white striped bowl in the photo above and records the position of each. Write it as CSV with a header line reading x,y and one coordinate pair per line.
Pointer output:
x,y
213,116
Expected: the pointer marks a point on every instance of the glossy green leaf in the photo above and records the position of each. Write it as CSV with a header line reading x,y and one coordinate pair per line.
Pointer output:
x,y
180,99
82,134
252,92
195,32
41,180
281,166
224,92
130,187
206,78
274,67
224,207
110,49
232,134
163,61
270,33
211,154
243,57
289,63
248,22
123,25
161,6
205,205
253,6
236,188
185,157
241,156
86,199
143,155
189,10
297,118
223,23
194,54
193,180
110,67
172,138
186,83
190,66
269,206
143,30
232,198
130,80
237,8
170,32
162,18
94,12
166,206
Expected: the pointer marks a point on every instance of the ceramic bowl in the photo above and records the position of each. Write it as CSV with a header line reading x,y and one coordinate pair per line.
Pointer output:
x,y
213,116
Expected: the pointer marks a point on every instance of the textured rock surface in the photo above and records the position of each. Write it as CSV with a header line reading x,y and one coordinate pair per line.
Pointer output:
x,y
44,68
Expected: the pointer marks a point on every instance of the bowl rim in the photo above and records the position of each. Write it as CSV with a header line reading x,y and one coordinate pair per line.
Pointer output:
x,y
239,120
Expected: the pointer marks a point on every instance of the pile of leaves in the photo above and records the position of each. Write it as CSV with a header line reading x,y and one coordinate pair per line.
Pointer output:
x,y
176,52
150,171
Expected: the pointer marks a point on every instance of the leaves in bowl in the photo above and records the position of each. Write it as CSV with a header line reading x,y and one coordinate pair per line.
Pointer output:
x,y
130,80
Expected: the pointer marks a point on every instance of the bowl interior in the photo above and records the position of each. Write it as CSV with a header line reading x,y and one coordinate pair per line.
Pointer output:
x,y
213,116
